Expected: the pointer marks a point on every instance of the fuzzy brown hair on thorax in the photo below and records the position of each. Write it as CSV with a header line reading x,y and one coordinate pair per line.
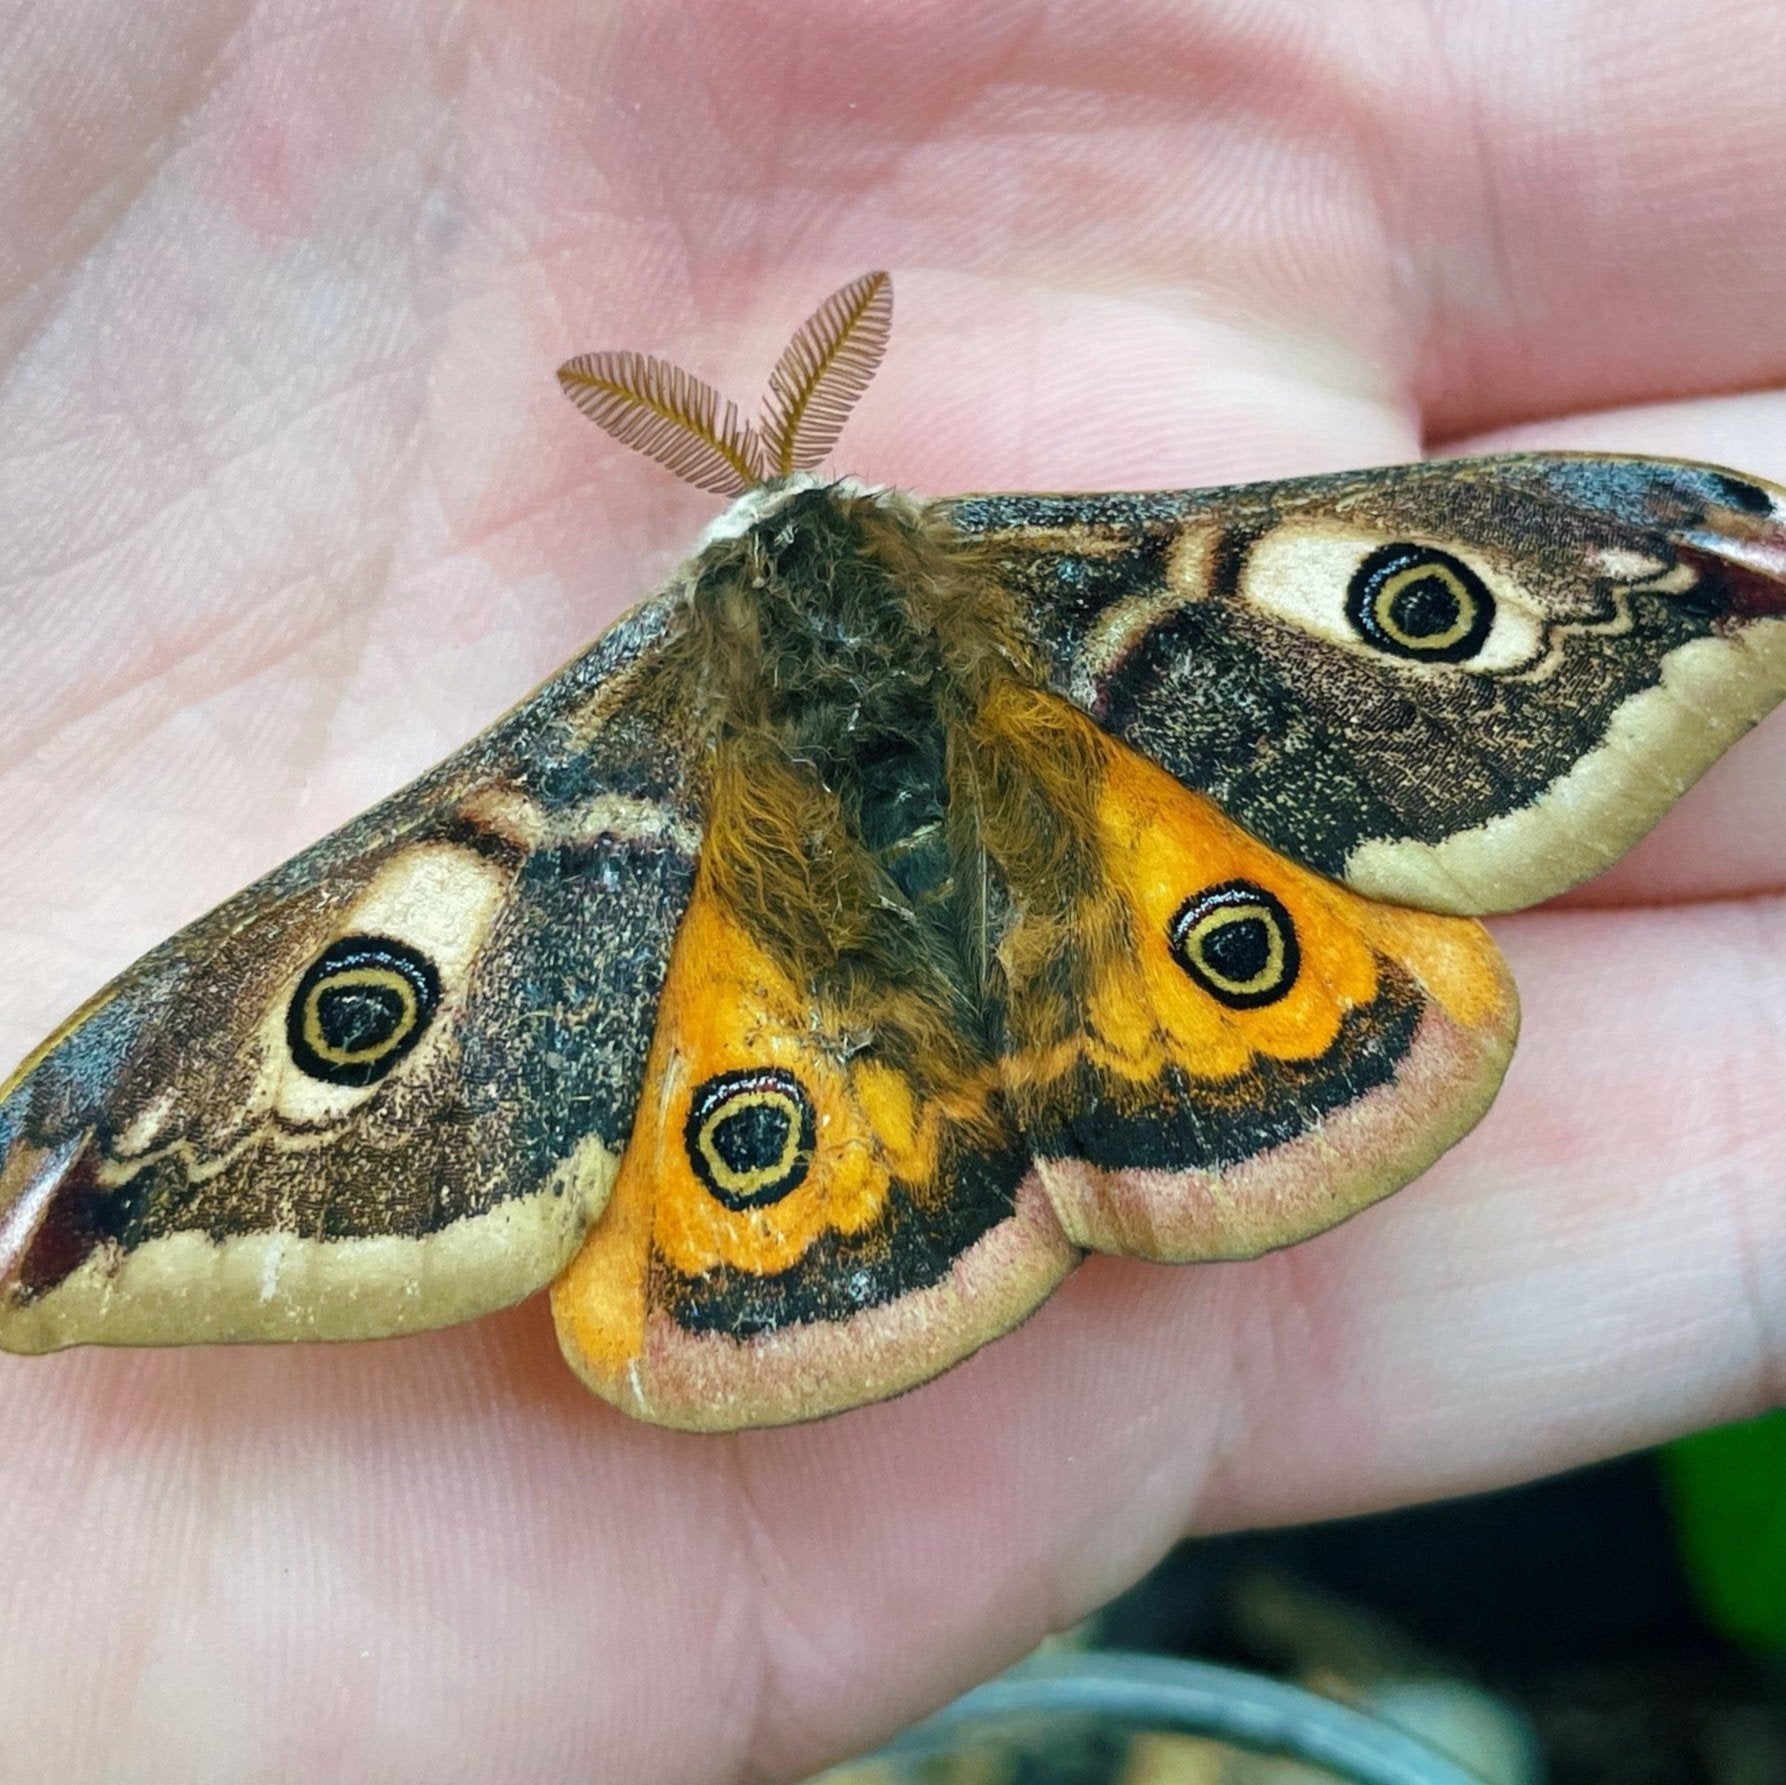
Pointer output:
x,y
888,785
845,654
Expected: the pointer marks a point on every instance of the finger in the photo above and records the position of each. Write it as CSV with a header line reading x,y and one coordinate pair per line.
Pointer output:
x,y
1599,1266
1591,225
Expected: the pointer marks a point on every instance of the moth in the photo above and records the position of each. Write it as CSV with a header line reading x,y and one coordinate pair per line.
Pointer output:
x,y
910,897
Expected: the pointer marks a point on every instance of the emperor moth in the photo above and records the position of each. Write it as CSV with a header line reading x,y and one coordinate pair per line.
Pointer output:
x,y
908,898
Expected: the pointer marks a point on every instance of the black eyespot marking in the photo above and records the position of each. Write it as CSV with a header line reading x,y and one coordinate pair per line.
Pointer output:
x,y
1416,601
363,1004
1740,493
1237,942
750,1136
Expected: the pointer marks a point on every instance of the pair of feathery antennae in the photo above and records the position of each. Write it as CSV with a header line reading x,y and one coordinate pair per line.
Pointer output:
x,y
684,423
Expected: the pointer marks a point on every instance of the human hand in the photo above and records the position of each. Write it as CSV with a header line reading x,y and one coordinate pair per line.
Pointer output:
x,y
292,505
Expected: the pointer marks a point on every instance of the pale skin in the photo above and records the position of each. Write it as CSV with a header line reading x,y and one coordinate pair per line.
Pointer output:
x,y
290,504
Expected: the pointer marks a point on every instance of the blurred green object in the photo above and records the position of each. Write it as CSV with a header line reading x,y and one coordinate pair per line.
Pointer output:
x,y
1728,1489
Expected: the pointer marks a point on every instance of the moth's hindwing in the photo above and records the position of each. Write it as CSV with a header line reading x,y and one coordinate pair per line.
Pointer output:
x,y
386,1087
1212,1051
1462,685
795,1230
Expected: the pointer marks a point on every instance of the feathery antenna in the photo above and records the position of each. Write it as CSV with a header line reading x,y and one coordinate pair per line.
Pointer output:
x,y
827,366
684,423
669,415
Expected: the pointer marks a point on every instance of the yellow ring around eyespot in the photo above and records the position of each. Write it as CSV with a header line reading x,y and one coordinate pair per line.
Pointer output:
x,y
1383,604
760,1177
383,978
1267,977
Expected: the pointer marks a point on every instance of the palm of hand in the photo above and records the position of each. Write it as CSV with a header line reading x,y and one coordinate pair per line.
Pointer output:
x,y
293,507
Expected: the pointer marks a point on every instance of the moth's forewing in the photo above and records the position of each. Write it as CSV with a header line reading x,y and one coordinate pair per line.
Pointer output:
x,y
386,1087
1579,639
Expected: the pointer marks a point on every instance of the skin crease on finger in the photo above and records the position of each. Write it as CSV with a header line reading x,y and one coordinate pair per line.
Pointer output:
x,y
291,506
